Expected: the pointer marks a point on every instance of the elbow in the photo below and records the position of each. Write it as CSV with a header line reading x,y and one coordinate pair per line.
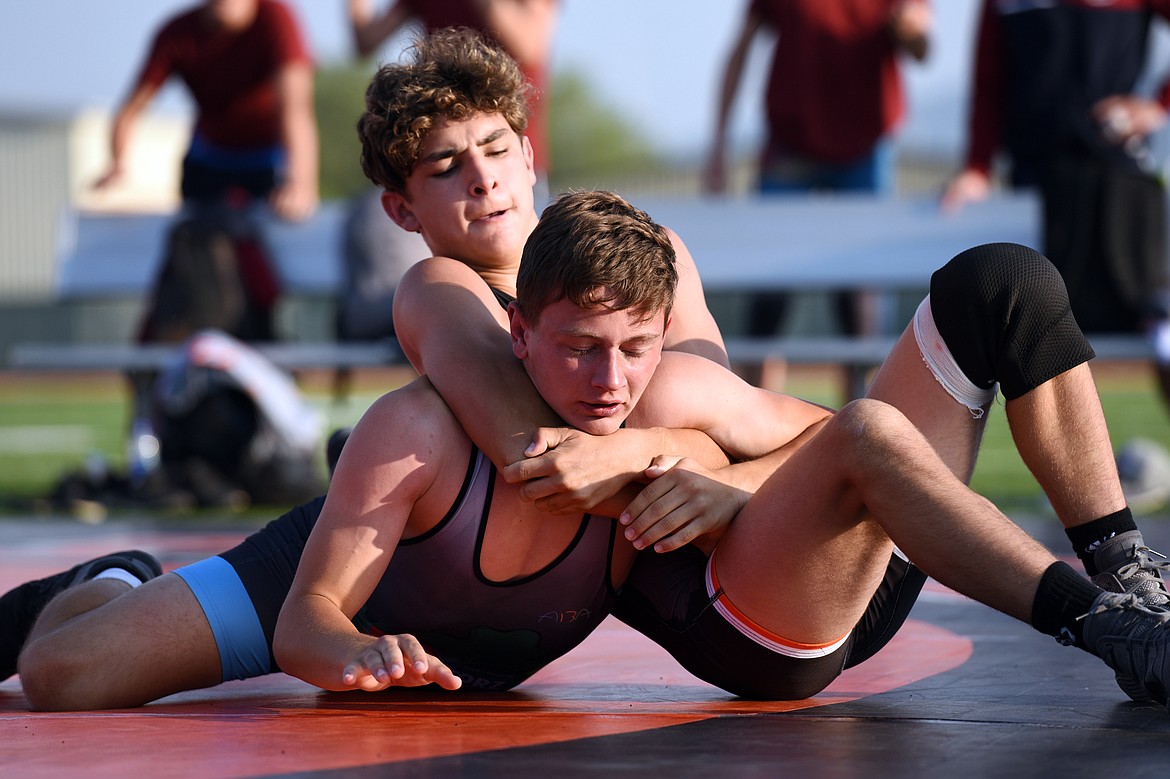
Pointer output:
x,y
282,644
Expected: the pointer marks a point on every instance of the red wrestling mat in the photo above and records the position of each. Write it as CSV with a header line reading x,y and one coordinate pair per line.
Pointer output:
x,y
617,682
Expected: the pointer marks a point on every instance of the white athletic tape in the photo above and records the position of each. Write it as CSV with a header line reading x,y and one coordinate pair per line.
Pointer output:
x,y
942,364
119,574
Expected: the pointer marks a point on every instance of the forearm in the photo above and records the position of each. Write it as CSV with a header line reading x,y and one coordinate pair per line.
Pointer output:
x,y
120,141
494,400
749,475
729,84
314,641
299,128
123,125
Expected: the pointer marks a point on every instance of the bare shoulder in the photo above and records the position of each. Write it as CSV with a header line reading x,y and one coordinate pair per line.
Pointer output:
x,y
439,296
692,329
410,422
442,269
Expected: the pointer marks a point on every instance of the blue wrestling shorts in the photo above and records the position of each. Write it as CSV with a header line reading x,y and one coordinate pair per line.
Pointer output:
x,y
241,591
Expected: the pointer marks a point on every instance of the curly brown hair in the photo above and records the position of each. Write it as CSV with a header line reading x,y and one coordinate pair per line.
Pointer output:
x,y
452,74
594,248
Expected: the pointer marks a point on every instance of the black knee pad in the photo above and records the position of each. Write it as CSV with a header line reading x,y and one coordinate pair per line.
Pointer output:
x,y
1003,311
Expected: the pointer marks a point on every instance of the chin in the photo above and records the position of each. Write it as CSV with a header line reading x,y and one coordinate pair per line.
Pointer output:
x,y
595,426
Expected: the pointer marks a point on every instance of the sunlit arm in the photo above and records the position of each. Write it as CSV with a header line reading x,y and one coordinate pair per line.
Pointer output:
x,y
380,484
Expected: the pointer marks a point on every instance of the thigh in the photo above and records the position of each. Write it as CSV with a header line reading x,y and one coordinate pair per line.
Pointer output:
x,y
806,554
667,599
147,643
803,558
905,382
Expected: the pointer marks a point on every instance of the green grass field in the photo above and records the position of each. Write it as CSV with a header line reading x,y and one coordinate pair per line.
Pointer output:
x,y
49,426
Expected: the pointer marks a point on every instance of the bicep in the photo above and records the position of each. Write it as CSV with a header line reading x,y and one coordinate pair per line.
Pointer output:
x,y
444,311
452,329
747,422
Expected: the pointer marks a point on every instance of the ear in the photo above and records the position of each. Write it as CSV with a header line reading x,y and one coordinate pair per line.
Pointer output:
x,y
518,327
529,159
398,208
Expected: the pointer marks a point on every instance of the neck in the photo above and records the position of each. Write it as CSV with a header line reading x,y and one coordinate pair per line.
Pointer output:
x,y
503,279
231,15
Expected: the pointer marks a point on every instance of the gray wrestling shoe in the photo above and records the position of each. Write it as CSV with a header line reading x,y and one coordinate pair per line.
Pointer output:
x,y
20,607
1133,639
1130,567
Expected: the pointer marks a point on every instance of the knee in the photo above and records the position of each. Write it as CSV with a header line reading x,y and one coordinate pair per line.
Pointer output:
x,y
993,269
53,677
867,431
1003,311
988,287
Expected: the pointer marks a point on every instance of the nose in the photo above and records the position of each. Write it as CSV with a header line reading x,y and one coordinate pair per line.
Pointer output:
x,y
481,176
607,374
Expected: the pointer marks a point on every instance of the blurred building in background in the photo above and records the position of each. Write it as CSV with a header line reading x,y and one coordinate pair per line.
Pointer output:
x,y
49,160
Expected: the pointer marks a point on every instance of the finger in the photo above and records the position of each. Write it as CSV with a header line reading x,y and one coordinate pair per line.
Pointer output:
x,y
660,519
669,524
646,498
443,676
561,503
367,672
544,487
386,656
349,676
545,438
525,470
414,655
679,538
661,464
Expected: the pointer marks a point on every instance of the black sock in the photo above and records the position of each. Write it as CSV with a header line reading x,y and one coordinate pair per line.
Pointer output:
x,y
1062,599
1087,537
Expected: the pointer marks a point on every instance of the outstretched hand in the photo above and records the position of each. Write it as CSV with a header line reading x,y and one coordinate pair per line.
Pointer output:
x,y
683,504
397,661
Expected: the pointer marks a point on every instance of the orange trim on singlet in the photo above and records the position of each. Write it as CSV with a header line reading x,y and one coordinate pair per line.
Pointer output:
x,y
756,632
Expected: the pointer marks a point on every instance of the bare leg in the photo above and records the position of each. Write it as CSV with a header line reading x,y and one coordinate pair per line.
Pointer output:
x,y
822,525
905,382
78,652
1060,432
